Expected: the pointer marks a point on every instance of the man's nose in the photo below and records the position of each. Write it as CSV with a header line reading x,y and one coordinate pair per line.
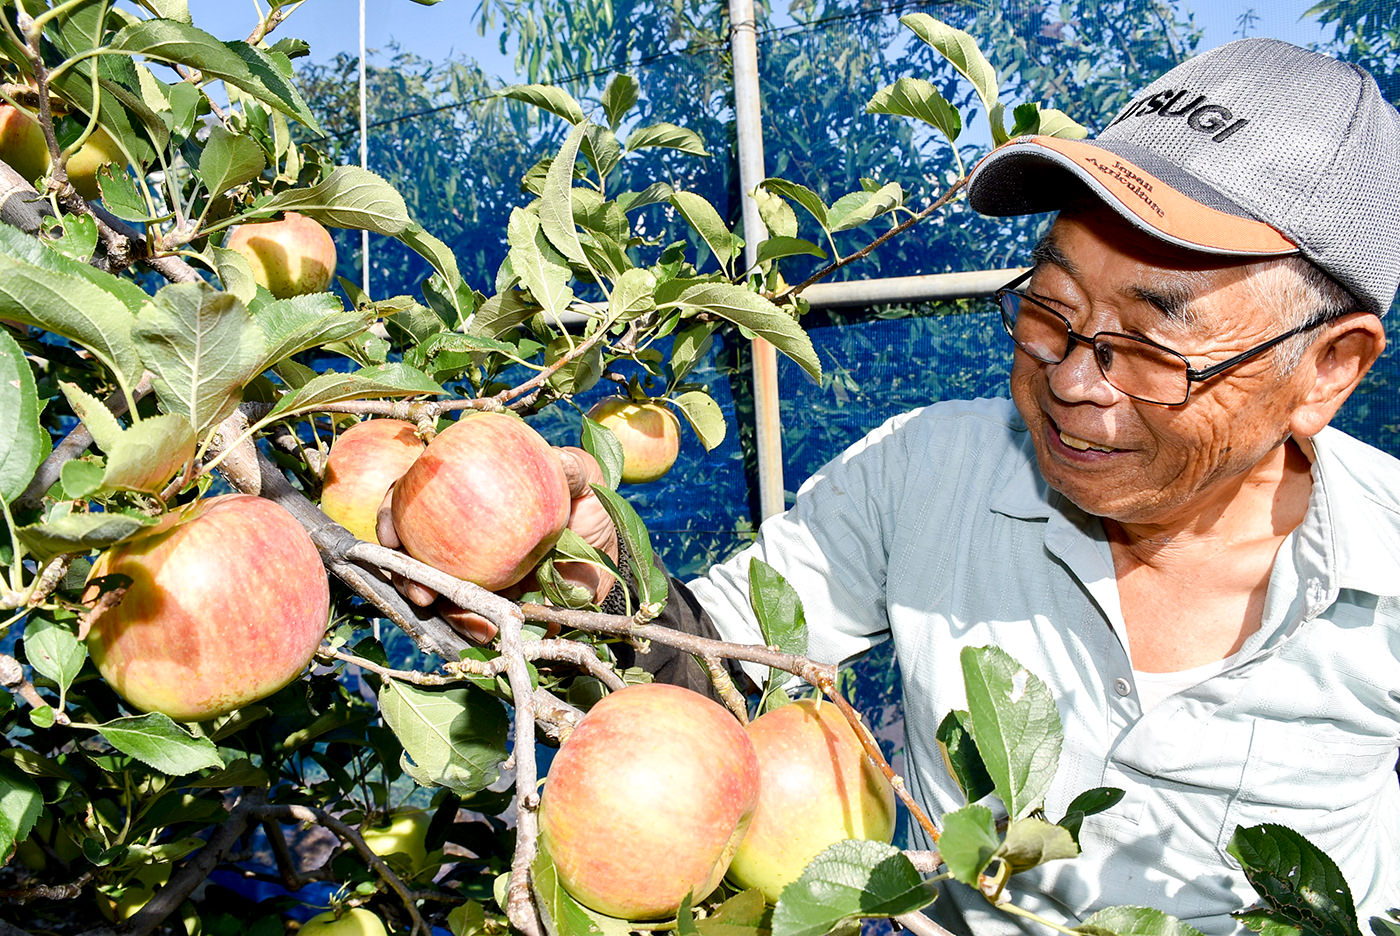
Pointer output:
x,y
1078,378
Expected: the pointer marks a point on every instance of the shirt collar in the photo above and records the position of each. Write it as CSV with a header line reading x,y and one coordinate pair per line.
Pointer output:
x,y
1023,493
1350,536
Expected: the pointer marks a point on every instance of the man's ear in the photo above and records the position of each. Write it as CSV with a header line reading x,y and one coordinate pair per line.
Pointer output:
x,y
1337,361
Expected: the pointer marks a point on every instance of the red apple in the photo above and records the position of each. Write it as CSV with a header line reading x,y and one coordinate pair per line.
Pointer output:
x,y
649,432
484,502
290,257
363,464
227,604
647,799
22,143
816,788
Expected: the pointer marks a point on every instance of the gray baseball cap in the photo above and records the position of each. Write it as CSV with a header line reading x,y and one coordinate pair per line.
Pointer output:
x,y
1256,149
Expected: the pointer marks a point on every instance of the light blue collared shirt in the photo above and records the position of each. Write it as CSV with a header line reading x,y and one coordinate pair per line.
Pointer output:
x,y
936,531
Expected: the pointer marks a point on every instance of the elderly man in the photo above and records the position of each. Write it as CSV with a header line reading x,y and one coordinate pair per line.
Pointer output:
x,y
1159,523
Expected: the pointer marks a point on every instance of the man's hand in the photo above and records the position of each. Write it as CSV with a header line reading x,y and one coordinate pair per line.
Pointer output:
x,y
587,518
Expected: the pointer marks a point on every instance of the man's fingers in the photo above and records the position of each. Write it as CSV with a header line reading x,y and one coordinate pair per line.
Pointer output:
x,y
419,594
384,521
580,469
472,626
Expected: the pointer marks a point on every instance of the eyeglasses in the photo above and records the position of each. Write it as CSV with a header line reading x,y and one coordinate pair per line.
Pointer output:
x,y
1141,369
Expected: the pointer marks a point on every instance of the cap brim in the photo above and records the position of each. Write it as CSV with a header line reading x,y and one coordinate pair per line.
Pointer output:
x,y
1020,177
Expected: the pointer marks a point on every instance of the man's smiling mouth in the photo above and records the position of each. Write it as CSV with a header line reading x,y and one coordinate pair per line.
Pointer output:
x,y
1081,445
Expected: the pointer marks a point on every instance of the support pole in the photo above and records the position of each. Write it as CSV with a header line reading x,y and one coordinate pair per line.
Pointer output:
x,y
748,116
364,164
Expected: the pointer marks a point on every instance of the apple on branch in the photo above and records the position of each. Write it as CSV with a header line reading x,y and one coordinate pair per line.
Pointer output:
x,y
22,143
403,832
649,432
290,257
227,603
357,921
647,800
816,788
363,464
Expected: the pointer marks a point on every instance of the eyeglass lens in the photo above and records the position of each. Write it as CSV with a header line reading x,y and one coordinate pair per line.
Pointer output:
x,y
1136,368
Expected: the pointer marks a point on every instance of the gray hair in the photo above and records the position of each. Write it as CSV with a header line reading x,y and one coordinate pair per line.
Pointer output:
x,y
1295,291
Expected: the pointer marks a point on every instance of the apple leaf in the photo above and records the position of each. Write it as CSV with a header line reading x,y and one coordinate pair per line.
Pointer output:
x,y
294,325
142,458
1300,884
619,97
23,442
633,294
691,344
667,136
156,740
754,315
969,842
454,738
851,880
430,248
777,215
1388,925
1031,842
350,197
237,63
384,380
559,590
54,651
1087,804
704,416
776,248
1015,724
652,586
82,478
961,758
917,98
702,216
202,346
744,914
961,50
121,195
21,803
780,618
600,147
546,97
557,199
229,160
804,196
541,268
600,442
80,533
856,208
657,193
236,274
1136,921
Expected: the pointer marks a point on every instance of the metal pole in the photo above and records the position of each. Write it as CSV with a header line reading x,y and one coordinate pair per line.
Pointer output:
x,y
748,117
364,157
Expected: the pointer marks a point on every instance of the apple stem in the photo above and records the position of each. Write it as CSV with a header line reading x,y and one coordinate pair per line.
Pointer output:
x,y
872,751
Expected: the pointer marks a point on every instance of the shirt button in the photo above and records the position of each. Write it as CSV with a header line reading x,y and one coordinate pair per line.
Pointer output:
x,y
1122,686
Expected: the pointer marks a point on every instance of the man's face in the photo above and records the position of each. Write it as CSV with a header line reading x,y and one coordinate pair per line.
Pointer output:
x,y
1134,462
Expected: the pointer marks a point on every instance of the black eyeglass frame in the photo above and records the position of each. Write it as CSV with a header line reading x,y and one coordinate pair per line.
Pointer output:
x,y
1091,341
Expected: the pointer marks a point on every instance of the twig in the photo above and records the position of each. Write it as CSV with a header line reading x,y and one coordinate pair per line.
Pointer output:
x,y
570,651
732,698
46,892
872,751
12,678
920,925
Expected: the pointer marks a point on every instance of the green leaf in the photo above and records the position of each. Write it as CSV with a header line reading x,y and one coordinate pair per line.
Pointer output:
x,y
1057,123
666,136
1300,884
444,262
1031,842
1136,921
350,197
917,98
236,273
619,97
121,195
202,346
704,416
744,914
691,344
633,294
229,160
775,248
237,63
556,200
857,208
778,609
969,842
1389,925
600,442
777,216
290,326
502,313
1015,725
749,311
703,217
961,50
1087,804
551,98
961,758
23,442
804,196
384,380
562,914
454,737
54,651
851,880
81,479
656,193
601,149
652,587
80,533
156,740
21,803
542,270
141,458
